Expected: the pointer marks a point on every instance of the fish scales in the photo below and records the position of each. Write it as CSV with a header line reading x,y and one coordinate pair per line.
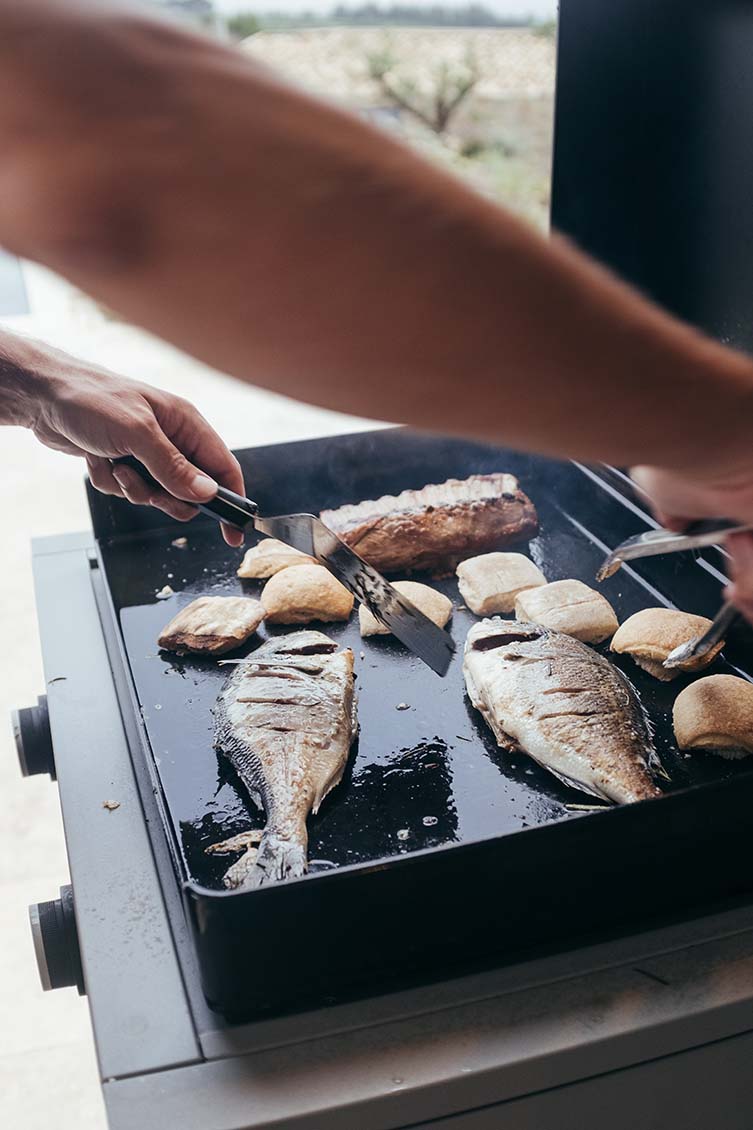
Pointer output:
x,y
564,705
285,720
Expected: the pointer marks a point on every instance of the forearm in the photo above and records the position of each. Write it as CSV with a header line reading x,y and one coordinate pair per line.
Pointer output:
x,y
291,245
24,379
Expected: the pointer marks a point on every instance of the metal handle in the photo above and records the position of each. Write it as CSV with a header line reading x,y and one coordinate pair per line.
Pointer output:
x,y
226,506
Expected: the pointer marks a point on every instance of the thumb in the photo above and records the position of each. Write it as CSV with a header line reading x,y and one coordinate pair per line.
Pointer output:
x,y
172,470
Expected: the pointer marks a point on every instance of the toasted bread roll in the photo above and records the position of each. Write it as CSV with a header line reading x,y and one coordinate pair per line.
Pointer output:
x,y
212,625
303,594
269,557
433,604
490,583
652,633
570,607
716,714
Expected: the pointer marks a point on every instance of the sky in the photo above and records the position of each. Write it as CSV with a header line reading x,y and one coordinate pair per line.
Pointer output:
x,y
541,9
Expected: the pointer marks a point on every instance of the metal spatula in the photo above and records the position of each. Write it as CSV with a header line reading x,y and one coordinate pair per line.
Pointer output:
x,y
309,534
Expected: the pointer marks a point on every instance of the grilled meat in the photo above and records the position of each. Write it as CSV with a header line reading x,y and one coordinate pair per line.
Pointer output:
x,y
436,527
285,720
564,705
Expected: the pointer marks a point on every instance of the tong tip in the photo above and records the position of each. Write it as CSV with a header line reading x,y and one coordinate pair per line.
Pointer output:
x,y
609,567
681,655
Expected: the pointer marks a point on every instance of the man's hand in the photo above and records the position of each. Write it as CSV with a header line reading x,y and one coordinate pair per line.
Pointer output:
x,y
83,410
679,499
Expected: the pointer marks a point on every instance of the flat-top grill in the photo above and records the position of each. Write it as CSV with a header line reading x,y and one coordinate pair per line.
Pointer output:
x,y
438,852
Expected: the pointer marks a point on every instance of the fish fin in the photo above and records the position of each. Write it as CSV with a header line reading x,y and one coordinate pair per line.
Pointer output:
x,y
276,859
238,874
586,807
327,788
571,783
655,764
507,743
241,842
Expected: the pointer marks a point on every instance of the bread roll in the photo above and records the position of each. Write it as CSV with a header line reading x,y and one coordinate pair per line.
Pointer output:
x,y
303,594
651,634
491,582
433,604
212,625
570,607
716,714
269,557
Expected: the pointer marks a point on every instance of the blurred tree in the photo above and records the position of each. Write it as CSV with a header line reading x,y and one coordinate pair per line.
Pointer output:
x,y
243,24
547,29
436,98
437,15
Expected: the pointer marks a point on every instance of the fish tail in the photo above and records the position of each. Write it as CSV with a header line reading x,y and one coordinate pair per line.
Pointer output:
x,y
279,857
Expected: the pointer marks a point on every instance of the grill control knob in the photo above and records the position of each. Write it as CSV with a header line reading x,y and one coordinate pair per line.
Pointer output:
x,y
53,928
31,731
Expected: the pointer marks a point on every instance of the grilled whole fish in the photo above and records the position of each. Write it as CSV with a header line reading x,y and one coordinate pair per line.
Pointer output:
x,y
564,705
285,720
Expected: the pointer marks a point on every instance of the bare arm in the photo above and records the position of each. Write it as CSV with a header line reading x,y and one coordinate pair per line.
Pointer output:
x,y
290,244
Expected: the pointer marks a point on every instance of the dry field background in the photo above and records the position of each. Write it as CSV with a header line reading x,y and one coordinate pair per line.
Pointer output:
x,y
514,62
501,138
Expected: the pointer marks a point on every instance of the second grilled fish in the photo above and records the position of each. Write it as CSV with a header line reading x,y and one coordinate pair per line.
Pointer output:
x,y
285,720
564,705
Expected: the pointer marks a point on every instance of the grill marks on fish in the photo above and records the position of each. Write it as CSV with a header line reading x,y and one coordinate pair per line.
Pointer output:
x,y
286,724
564,705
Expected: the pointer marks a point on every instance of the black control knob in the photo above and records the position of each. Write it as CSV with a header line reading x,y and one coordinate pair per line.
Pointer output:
x,y
31,732
53,928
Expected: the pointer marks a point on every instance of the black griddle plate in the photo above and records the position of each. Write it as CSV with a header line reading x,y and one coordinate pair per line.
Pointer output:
x,y
429,776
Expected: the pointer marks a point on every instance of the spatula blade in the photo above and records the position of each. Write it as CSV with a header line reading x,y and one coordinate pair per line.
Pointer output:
x,y
419,634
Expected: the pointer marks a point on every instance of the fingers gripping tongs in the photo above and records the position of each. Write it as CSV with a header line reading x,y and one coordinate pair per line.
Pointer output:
x,y
656,542
309,534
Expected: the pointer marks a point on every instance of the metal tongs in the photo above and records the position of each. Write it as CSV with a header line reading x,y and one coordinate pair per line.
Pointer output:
x,y
656,542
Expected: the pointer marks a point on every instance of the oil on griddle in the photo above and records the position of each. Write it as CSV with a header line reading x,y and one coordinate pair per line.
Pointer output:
x,y
425,772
